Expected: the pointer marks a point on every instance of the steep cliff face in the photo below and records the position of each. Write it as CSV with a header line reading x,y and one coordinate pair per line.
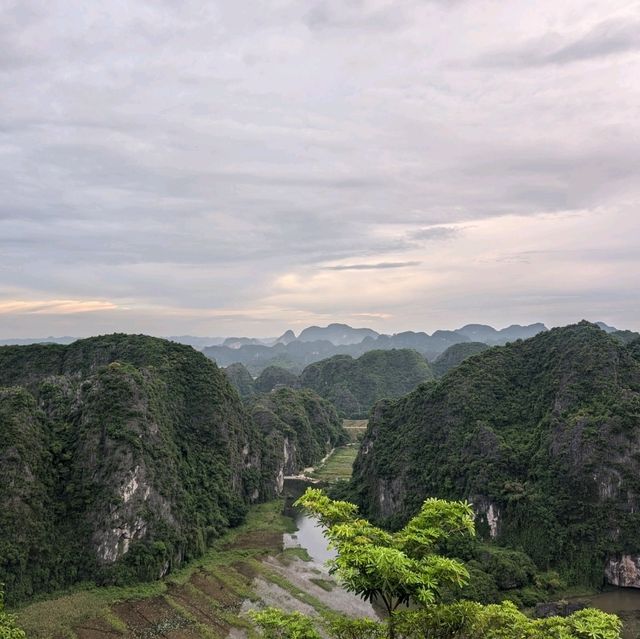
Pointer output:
x,y
120,457
543,436
300,428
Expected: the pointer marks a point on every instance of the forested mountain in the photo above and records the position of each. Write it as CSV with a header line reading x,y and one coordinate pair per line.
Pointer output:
x,y
274,377
122,456
271,378
455,355
315,344
354,385
491,336
240,378
300,428
542,435
337,334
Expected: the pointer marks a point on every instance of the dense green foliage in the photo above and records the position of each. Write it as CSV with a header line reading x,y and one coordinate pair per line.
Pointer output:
x,y
120,457
455,355
354,385
271,378
8,626
274,377
299,427
462,620
538,434
393,568
240,378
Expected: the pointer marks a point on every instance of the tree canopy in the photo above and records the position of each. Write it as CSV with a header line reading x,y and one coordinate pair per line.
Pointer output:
x,y
406,567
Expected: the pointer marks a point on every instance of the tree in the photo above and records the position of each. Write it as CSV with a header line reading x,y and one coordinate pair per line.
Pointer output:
x,y
402,567
393,568
8,627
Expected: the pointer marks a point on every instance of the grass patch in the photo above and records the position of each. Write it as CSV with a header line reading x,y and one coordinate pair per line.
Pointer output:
x,y
289,554
339,465
325,584
355,428
296,592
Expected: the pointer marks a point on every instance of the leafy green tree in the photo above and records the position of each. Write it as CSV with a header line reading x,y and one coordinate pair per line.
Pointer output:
x,y
393,568
402,567
8,627
470,620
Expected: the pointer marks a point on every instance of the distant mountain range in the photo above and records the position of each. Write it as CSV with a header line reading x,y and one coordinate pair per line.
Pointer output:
x,y
315,343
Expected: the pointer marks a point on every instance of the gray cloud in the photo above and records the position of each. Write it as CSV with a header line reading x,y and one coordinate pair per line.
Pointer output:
x,y
432,233
610,37
369,267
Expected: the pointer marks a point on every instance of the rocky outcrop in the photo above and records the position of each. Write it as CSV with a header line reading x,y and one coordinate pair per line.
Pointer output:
x,y
623,571
487,515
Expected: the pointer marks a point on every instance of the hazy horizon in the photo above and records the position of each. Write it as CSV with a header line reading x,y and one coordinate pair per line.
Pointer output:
x,y
297,331
200,168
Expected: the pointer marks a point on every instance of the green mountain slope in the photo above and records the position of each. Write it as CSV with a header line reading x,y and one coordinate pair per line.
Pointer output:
x,y
455,355
240,378
274,377
542,435
120,458
354,385
300,427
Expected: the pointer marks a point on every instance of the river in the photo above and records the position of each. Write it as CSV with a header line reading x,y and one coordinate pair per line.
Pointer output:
x,y
309,536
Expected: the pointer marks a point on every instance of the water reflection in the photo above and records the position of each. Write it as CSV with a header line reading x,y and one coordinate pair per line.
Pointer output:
x,y
309,536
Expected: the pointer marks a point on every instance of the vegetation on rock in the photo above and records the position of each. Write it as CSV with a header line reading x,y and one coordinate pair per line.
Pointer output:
x,y
455,355
299,427
240,378
274,377
538,435
8,627
354,385
121,457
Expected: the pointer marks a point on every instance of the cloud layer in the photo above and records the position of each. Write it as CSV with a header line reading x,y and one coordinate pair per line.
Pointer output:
x,y
204,168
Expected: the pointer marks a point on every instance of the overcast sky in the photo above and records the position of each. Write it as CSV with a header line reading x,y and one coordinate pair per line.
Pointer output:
x,y
241,167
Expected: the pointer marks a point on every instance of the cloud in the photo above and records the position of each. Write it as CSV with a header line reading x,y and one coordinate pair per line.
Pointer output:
x,y
54,307
369,267
432,233
610,37
185,161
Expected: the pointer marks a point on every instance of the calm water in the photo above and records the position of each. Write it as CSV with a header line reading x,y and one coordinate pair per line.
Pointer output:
x,y
311,537
624,602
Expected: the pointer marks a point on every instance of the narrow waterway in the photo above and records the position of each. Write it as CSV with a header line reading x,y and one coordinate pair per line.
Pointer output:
x,y
309,536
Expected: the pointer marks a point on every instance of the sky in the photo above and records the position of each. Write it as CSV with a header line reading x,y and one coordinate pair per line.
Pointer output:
x,y
239,168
